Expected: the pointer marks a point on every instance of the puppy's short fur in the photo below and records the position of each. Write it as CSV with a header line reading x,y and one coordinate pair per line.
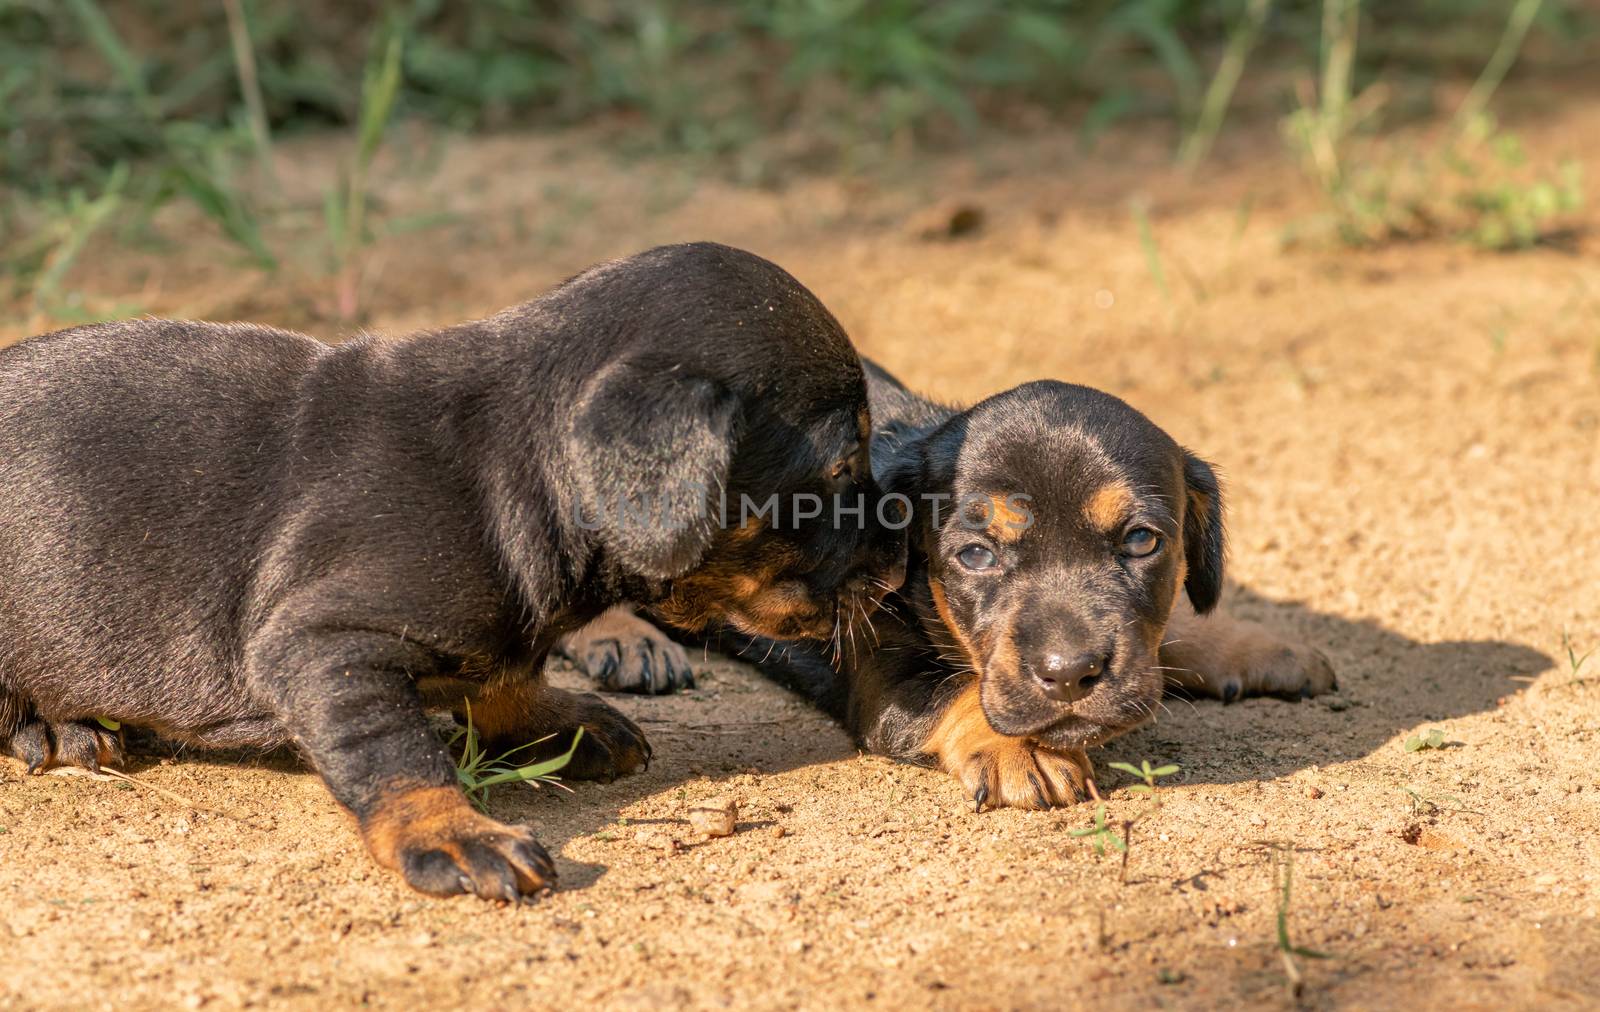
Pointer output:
x,y
1050,612
240,537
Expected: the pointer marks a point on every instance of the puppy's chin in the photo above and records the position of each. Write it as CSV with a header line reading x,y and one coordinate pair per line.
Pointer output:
x,y
1122,702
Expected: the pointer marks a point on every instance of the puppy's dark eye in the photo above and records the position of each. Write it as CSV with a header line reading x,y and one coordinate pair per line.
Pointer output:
x,y
1141,541
977,558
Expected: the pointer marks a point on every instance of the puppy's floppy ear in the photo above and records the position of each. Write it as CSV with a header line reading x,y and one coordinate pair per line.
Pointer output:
x,y
1202,533
923,463
651,449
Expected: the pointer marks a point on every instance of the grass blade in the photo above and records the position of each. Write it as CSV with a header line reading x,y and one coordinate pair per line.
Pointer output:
x,y
1219,93
1152,262
85,221
244,60
533,771
104,38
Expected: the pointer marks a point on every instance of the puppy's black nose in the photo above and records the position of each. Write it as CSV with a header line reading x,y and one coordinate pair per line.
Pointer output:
x,y
1066,677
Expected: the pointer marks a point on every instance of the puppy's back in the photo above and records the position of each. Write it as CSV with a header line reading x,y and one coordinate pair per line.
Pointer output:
x,y
135,461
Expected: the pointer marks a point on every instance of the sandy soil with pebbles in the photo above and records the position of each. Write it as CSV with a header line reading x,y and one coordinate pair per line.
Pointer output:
x,y
1412,443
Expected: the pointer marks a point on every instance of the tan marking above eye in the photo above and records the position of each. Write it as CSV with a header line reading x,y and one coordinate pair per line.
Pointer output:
x,y
1108,506
1006,523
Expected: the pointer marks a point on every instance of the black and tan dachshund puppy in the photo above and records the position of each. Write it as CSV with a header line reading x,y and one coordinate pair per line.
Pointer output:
x,y
240,537
1063,551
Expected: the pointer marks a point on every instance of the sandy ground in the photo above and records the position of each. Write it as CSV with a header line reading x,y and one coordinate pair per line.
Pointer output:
x,y
1412,438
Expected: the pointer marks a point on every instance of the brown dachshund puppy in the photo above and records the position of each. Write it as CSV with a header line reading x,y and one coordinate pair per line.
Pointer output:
x,y
1063,552
240,537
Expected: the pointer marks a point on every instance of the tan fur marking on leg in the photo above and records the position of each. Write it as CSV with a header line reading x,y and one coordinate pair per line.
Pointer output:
x,y
941,604
999,770
962,729
420,816
516,708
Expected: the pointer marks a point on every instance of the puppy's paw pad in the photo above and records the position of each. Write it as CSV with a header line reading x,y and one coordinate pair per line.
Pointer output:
x,y
1016,773
506,864
622,652
612,745
444,847
45,745
651,665
1293,673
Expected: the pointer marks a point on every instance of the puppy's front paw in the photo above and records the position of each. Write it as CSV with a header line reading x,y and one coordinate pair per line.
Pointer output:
x,y
625,653
1016,773
999,771
441,846
611,746
44,745
514,715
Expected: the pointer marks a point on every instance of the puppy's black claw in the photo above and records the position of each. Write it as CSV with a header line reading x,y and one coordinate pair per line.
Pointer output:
x,y
1039,795
433,872
538,859
611,744
979,796
604,664
42,746
1230,692
1305,692
31,744
498,863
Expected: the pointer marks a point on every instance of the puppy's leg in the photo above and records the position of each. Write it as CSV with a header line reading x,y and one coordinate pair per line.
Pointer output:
x,y
348,699
45,745
520,711
624,652
896,710
997,770
898,702
1225,657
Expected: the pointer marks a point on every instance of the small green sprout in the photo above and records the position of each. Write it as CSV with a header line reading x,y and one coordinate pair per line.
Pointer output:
x,y
1575,660
109,724
478,771
1101,834
1283,873
1144,772
1433,739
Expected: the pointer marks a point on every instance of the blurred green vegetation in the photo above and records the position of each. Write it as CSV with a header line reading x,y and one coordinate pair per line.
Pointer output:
x,y
87,83
111,105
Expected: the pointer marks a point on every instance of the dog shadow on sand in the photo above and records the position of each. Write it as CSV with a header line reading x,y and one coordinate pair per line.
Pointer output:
x,y
1389,685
